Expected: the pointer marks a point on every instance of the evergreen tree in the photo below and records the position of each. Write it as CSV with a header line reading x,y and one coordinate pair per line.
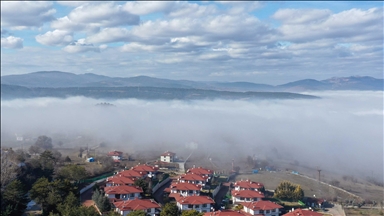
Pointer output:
x,y
170,209
137,213
14,199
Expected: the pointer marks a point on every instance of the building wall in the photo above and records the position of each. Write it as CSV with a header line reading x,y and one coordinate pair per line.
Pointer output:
x,y
125,196
238,188
186,193
198,208
151,213
237,199
265,212
167,159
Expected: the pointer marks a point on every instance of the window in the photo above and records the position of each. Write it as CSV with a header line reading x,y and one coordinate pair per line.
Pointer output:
x,y
131,195
261,211
204,205
197,206
191,191
149,210
241,198
190,206
273,210
267,211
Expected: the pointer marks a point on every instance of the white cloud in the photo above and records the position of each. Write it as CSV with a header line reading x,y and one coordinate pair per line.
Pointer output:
x,y
12,42
24,14
301,16
148,7
72,3
80,47
55,38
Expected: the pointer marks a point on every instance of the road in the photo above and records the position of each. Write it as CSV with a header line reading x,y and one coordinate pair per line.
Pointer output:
x,y
221,194
335,210
86,198
158,195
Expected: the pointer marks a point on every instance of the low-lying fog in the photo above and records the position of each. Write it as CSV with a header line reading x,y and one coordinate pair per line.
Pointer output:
x,y
341,131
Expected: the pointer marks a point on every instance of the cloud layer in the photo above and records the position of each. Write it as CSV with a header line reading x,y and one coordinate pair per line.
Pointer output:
x,y
329,132
223,41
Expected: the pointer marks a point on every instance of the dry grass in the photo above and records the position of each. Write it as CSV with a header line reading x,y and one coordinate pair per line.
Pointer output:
x,y
362,211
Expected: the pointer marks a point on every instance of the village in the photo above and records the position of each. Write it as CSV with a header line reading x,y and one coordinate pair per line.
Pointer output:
x,y
198,189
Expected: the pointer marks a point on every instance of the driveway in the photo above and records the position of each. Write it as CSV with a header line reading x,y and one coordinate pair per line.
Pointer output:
x,y
158,195
221,194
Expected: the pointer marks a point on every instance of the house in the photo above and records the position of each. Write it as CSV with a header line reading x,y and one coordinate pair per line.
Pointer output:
x,y
302,212
123,192
201,171
246,196
314,202
198,203
185,189
266,208
193,179
226,212
151,207
116,155
144,168
168,157
248,185
132,174
118,180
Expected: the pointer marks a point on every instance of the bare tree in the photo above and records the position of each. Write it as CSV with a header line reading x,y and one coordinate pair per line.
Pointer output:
x,y
8,169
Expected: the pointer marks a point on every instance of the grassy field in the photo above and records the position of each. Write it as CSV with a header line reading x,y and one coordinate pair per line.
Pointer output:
x,y
362,211
311,187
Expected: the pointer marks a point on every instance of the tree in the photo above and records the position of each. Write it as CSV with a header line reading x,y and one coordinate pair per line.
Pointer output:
x,y
238,207
34,150
67,159
50,194
72,172
141,183
44,142
8,169
288,191
101,201
170,209
137,213
14,199
191,213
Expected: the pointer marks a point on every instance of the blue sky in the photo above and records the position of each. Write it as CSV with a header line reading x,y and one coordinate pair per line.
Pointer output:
x,y
271,42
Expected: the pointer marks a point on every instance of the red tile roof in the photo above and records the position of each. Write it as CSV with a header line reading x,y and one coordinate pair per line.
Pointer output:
x,y
136,204
185,186
115,153
193,177
261,205
144,168
195,200
200,171
120,179
249,184
122,189
247,194
168,153
301,212
132,174
224,213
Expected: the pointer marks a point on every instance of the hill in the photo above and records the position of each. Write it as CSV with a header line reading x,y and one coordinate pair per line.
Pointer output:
x,y
57,79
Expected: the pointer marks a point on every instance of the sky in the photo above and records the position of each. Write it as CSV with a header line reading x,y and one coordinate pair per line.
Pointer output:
x,y
270,42
341,132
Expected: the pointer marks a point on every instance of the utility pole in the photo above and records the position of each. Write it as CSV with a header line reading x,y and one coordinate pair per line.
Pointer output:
x,y
319,170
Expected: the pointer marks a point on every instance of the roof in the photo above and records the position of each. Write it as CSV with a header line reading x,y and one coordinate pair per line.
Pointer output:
x,y
185,186
120,179
136,204
200,171
115,153
192,177
122,189
224,213
261,205
249,184
301,212
247,194
168,153
144,168
132,173
196,200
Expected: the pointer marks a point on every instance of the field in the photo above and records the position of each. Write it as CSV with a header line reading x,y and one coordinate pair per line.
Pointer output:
x,y
313,187
362,211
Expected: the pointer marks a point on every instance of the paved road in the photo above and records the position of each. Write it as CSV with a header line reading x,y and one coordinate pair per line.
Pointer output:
x,y
221,194
158,195
336,210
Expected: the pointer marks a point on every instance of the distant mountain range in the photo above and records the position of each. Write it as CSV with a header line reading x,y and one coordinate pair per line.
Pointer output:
x,y
57,79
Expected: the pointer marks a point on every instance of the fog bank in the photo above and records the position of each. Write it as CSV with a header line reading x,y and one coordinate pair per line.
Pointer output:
x,y
341,131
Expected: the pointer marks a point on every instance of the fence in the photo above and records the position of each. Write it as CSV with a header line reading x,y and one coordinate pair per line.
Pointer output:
x,y
97,178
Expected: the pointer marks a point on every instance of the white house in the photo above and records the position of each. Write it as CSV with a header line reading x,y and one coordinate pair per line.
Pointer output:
x,y
123,192
168,157
151,207
266,208
185,189
116,155
246,196
144,168
198,203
